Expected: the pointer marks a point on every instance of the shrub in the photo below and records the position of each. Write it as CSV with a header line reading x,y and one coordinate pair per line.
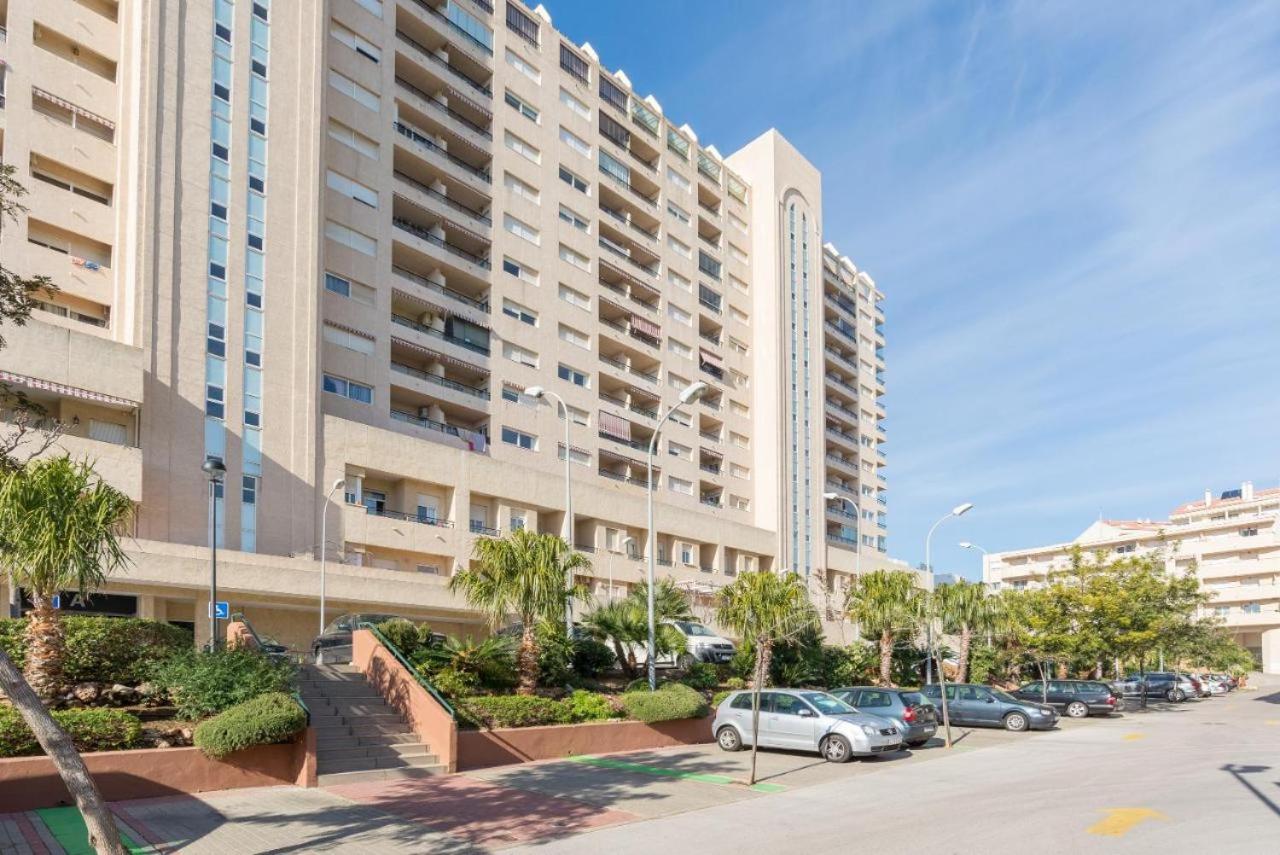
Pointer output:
x,y
743,663
453,683
492,711
104,649
701,675
402,634
735,683
202,683
555,655
671,701
852,665
589,706
264,720
490,662
591,657
90,730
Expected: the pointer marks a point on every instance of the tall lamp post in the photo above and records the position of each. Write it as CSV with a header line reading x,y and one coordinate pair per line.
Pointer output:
x,y
958,510
324,520
537,393
215,470
688,395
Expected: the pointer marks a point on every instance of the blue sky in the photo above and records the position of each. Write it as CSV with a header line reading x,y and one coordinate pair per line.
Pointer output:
x,y
1074,211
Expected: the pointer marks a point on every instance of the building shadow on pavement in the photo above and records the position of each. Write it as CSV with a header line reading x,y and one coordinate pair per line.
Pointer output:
x,y
1239,772
1273,698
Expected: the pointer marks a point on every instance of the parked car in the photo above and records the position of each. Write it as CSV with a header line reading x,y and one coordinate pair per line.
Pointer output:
x,y
1074,698
1211,684
913,715
1156,684
700,645
804,720
335,641
984,706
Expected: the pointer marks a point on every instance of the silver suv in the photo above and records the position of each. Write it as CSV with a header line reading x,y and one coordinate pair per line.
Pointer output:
x,y
804,720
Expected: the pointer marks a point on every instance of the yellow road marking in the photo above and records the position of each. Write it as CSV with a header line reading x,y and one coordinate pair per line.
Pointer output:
x,y
1120,820
1273,721
1133,737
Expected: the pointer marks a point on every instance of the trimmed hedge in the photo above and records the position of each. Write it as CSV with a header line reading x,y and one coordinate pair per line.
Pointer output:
x,y
589,706
490,711
90,730
103,649
265,720
671,701
202,683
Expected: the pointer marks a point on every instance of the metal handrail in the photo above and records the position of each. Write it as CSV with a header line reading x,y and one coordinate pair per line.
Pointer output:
x,y
476,43
297,699
440,334
436,194
445,108
431,56
422,680
422,234
406,130
482,305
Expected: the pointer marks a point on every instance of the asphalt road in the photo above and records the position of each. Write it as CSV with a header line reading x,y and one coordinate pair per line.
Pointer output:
x,y
1202,776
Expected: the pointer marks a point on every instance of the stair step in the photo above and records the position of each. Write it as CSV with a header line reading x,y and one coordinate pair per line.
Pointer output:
x,y
360,708
359,764
415,749
342,690
344,739
333,779
378,729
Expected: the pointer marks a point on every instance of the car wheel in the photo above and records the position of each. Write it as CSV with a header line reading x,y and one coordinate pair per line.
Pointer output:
x,y
1176,695
1016,722
685,662
1077,709
835,749
728,739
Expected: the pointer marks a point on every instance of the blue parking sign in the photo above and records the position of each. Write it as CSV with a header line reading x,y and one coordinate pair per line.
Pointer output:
x,y
56,601
221,610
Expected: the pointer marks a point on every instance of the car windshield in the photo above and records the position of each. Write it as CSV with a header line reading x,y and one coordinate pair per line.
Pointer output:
x,y
692,628
1005,696
827,704
913,699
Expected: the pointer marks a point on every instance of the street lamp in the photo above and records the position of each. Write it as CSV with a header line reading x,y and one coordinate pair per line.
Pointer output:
x,y
324,520
958,510
538,392
215,470
688,395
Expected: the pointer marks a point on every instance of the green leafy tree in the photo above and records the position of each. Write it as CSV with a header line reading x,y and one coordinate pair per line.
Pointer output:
x,y
524,576
966,608
624,624
767,609
885,605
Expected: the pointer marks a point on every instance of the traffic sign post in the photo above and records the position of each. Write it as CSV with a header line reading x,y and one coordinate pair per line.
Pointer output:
x,y
220,610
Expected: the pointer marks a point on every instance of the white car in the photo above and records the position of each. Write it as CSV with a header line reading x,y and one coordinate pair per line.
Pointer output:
x,y
804,720
700,645
1212,685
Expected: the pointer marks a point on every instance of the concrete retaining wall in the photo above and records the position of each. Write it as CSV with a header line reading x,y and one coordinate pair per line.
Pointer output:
x,y
479,749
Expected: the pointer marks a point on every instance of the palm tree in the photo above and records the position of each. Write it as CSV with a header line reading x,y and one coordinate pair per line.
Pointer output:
x,y
765,608
525,576
884,604
624,624
966,608
59,528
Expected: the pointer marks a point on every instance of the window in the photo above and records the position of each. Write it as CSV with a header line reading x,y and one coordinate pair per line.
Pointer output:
x,y
579,184
574,104
675,381
574,337
1249,532
737,190
518,63
679,315
680,348
519,355
575,142
738,315
350,238
574,297
615,168
522,148
1125,548
517,520
612,93
513,309
520,105
352,189
737,222
615,131
676,449
737,346
679,213
521,188
680,247
347,339
577,259
679,281
353,139
373,7
737,253
740,503
679,180
356,43
686,549
354,90
348,389
108,432
740,440
680,485
738,284
574,64
576,455
519,228
737,470
519,270
470,25
522,25
677,144
573,375
708,264
520,439
567,215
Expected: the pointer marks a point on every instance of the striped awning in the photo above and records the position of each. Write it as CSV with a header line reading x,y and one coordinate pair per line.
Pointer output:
x,y
67,105
454,92
708,356
615,425
645,326
424,298
64,390
435,354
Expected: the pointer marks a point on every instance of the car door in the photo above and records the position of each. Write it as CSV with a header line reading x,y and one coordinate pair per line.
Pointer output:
x,y
981,704
792,723
1030,692
957,710
742,715
1061,693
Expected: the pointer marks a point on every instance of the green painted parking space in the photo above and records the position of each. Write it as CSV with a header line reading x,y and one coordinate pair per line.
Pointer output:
x,y
68,829
664,772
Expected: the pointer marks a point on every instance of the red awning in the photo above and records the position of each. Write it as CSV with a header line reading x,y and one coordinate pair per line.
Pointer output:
x,y
645,326
615,426
708,356
68,391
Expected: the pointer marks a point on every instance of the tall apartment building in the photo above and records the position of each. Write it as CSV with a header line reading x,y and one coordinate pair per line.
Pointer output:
x,y
334,244
1232,541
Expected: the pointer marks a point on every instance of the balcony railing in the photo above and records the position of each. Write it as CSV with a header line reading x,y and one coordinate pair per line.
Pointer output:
x,y
475,347
714,370
621,219
408,131
845,330
445,109
420,517
710,436
626,479
635,408
617,363
712,501
419,232
428,54
483,394
436,194
629,443
840,538
482,305
605,243
708,467
469,436
626,186
472,40
480,528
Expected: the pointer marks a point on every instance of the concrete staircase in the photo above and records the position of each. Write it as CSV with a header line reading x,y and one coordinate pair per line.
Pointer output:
x,y
358,736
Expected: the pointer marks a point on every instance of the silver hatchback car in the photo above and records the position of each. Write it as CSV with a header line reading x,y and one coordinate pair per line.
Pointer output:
x,y
804,720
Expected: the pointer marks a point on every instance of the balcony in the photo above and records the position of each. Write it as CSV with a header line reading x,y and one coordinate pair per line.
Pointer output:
x,y
468,349
429,197
439,380
474,309
455,435
480,528
844,329
419,142
630,406
625,254
708,265
389,529
647,238
628,286
632,193
480,53
425,55
626,367
471,130
442,235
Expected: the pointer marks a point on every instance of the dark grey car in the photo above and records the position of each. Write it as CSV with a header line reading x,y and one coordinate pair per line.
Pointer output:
x,y
335,641
983,706
915,716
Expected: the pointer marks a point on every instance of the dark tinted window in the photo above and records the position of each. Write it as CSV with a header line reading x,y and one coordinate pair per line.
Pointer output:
x,y
969,693
743,701
869,698
932,691
1094,687
1031,687
788,705
913,699
1059,687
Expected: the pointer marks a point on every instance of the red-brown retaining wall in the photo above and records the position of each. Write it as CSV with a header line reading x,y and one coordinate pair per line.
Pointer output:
x,y
479,749
27,783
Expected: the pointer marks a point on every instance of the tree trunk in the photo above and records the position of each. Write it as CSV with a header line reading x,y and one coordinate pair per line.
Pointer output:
x,y
764,658
762,653
886,658
626,660
103,835
527,661
966,638
46,649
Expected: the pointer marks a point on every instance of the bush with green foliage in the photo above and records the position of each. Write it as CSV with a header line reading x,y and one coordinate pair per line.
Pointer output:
x,y
743,664
490,711
453,683
983,660
202,683
489,663
264,720
555,655
719,697
591,658
701,675
671,701
402,634
853,665
89,729
103,649
589,706
735,683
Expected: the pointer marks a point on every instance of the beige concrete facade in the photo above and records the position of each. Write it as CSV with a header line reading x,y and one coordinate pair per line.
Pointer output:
x,y
1232,541
396,217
